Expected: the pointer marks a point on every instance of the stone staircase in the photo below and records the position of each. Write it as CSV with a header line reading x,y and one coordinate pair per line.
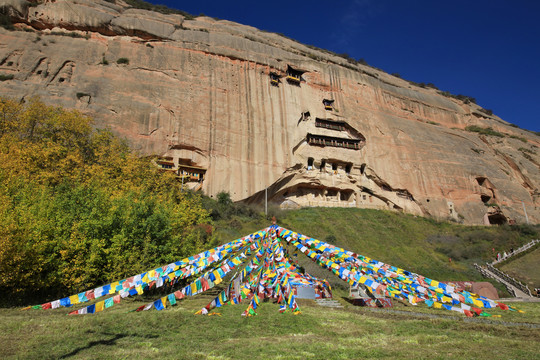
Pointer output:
x,y
329,303
514,287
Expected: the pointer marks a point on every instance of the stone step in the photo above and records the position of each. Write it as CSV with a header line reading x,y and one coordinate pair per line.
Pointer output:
x,y
328,303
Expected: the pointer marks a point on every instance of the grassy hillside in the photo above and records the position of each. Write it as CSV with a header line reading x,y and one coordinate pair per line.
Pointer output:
x,y
317,333
414,243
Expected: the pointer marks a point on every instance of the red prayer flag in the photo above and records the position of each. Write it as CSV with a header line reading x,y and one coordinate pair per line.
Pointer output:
x,y
74,312
46,306
179,294
204,284
116,299
140,308
502,306
468,313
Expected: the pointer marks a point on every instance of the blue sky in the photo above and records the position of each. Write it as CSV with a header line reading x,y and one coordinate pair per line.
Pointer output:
x,y
489,50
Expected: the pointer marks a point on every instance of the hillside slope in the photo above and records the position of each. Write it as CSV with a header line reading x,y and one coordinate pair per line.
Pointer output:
x,y
413,243
250,110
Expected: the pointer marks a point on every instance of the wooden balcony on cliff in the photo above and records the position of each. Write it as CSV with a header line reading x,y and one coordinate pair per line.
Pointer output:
x,y
165,162
331,124
322,140
274,79
191,173
328,104
294,76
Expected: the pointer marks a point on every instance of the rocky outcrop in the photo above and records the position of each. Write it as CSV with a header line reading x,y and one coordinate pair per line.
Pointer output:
x,y
237,109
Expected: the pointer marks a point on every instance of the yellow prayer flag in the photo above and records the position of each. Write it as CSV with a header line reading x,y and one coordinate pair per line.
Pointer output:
x,y
164,301
74,299
478,303
193,288
145,278
437,305
139,290
99,306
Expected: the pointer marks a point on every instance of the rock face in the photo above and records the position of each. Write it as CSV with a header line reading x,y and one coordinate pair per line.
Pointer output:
x,y
247,110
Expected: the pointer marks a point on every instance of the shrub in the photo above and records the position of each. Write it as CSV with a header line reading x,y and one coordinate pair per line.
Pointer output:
x,y
6,77
525,150
72,34
518,138
487,111
139,4
5,22
484,131
122,60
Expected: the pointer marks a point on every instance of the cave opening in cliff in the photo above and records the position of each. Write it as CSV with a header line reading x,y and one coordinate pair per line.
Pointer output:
x,y
294,76
480,180
497,219
310,163
362,169
323,165
274,79
348,168
328,104
485,198
346,195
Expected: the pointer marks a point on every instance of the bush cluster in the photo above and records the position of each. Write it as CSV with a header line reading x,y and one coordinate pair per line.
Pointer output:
x,y
484,131
79,209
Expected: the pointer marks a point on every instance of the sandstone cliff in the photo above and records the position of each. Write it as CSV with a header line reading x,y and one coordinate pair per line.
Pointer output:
x,y
247,110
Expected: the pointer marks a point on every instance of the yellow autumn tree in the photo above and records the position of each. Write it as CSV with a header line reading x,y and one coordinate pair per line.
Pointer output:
x,y
78,208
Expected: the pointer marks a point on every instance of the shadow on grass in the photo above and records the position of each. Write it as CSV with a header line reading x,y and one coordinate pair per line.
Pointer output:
x,y
109,342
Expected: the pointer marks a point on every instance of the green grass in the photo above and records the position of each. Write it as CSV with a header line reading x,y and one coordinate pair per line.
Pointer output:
x,y
406,331
317,333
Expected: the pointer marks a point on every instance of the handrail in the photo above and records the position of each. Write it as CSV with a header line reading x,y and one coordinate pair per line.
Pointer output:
x,y
517,251
488,274
509,279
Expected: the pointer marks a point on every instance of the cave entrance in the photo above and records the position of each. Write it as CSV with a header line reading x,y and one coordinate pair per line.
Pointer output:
x,y
310,163
497,219
485,198
480,180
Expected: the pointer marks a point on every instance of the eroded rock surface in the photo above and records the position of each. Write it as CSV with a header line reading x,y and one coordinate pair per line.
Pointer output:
x,y
248,110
